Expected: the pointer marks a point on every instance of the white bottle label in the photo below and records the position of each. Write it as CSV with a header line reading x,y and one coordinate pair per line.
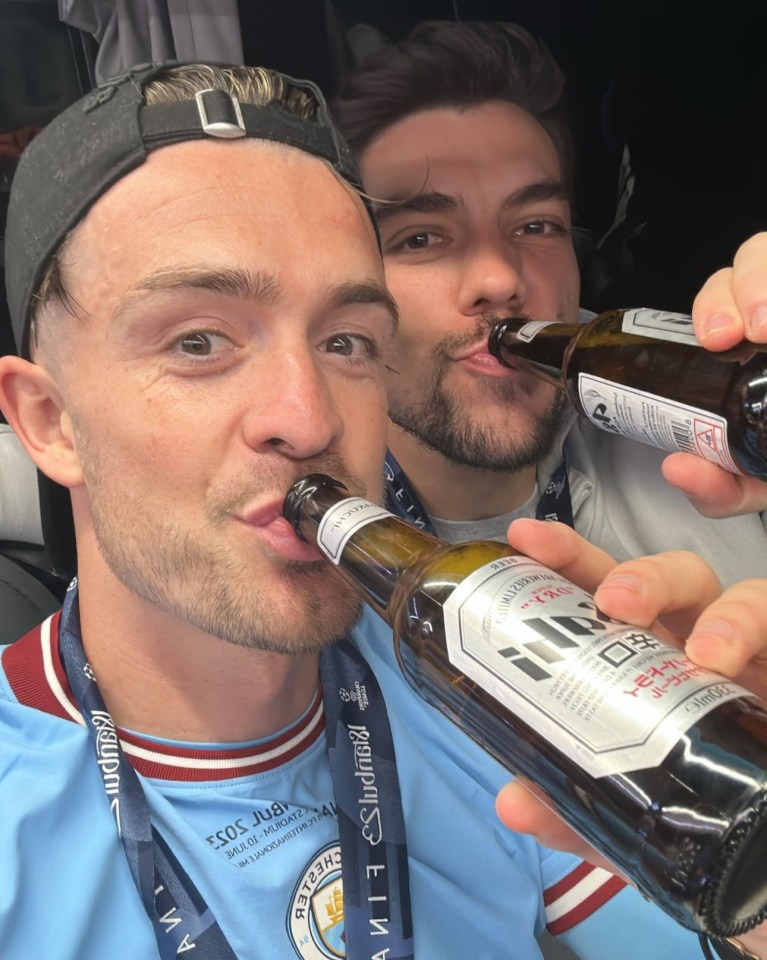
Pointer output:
x,y
613,698
660,325
529,330
343,521
655,420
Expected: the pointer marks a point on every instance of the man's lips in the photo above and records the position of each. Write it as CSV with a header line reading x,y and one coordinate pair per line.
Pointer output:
x,y
479,361
277,534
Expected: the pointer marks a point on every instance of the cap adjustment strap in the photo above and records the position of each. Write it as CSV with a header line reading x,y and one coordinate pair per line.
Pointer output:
x,y
220,114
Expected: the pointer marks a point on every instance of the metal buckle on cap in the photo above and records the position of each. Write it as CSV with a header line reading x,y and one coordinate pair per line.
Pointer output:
x,y
220,114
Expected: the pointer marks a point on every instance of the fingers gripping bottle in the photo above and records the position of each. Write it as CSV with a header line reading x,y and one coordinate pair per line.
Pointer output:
x,y
658,763
643,374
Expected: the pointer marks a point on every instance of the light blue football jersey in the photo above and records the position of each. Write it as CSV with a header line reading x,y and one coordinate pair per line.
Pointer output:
x,y
254,826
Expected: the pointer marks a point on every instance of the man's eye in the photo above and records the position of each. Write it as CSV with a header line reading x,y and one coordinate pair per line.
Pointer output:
x,y
412,242
342,343
196,343
418,241
541,228
200,344
351,345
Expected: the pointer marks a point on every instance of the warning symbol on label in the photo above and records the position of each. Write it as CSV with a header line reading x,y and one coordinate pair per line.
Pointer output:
x,y
708,435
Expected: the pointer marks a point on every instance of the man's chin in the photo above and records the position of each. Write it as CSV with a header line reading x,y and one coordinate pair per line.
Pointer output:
x,y
522,391
309,628
500,437
329,609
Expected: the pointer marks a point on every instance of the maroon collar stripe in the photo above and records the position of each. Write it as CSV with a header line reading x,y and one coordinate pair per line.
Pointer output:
x,y
37,679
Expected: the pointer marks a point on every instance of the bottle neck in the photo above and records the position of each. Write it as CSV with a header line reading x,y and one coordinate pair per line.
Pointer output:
x,y
541,346
371,548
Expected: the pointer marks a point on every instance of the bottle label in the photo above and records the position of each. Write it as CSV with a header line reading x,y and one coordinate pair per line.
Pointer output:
x,y
660,325
611,697
655,420
529,330
343,521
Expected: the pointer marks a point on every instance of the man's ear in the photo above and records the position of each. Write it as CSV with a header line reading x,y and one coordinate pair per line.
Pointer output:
x,y
34,407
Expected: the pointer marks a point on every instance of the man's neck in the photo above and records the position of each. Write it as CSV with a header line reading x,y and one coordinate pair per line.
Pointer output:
x,y
167,679
452,491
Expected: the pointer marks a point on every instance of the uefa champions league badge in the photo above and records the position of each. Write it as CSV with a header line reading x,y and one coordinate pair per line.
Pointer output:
x,y
358,695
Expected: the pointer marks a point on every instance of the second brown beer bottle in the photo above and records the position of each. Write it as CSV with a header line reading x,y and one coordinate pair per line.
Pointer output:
x,y
643,374
660,764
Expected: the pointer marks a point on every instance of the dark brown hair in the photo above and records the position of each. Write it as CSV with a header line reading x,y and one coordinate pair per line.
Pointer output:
x,y
460,65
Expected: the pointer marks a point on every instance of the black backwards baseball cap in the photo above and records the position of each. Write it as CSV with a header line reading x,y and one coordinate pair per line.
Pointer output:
x,y
88,148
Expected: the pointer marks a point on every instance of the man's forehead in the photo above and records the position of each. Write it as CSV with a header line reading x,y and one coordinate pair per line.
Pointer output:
x,y
432,187
448,139
219,165
184,182
220,207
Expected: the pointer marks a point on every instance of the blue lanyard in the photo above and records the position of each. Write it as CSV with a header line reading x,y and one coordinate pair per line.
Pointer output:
x,y
555,502
371,824
377,915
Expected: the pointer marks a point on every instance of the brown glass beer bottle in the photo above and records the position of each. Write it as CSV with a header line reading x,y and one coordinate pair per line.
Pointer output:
x,y
660,764
643,374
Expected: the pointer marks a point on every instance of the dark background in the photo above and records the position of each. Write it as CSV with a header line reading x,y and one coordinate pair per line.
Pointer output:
x,y
684,92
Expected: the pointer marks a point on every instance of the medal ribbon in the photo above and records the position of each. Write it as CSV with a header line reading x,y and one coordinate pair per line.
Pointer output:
x,y
377,915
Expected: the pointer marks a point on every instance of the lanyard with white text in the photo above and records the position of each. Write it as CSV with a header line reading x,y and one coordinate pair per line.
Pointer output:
x,y
554,503
371,824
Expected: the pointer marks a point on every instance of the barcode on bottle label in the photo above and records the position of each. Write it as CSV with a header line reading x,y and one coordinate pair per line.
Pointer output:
x,y
655,420
342,521
684,437
612,697
660,325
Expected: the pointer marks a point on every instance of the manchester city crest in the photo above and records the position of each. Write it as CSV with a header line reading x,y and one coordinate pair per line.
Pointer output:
x,y
316,919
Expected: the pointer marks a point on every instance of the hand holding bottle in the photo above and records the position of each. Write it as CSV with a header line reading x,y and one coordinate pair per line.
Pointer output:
x,y
731,306
636,745
676,594
642,373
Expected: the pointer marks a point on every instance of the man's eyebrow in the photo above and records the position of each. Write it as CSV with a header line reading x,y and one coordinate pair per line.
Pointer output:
x,y
431,202
236,283
435,202
364,291
247,285
535,192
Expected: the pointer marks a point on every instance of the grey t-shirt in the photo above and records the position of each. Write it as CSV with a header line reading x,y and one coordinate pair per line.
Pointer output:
x,y
490,528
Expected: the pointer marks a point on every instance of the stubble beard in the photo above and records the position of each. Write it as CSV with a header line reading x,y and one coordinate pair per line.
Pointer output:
x,y
442,422
218,595
206,585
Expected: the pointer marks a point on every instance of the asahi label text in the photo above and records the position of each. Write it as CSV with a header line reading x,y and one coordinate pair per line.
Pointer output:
x,y
613,698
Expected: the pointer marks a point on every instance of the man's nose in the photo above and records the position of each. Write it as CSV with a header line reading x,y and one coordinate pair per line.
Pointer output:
x,y
492,278
297,412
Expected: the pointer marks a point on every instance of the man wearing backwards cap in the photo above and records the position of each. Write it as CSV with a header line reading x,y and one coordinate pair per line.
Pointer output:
x,y
198,298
